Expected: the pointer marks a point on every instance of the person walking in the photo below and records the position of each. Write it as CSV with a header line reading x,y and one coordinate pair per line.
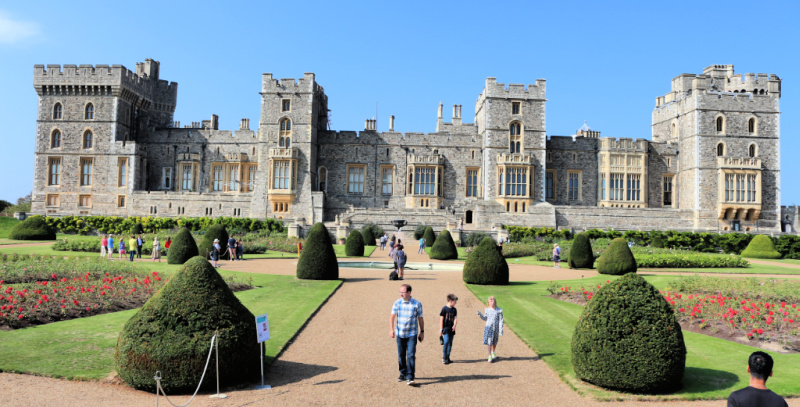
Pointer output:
x,y
759,365
421,246
103,246
215,251
556,256
139,244
447,327
392,242
110,246
384,238
494,326
232,249
133,246
239,250
400,257
121,248
156,250
407,326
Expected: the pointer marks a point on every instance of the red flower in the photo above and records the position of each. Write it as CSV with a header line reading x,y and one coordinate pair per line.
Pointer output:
x,y
760,331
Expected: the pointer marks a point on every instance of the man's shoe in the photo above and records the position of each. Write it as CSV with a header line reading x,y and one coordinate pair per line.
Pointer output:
x,y
449,361
400,379
444,361
410,382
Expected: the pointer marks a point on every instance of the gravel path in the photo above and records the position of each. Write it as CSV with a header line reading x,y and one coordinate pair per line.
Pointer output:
x,y
344,356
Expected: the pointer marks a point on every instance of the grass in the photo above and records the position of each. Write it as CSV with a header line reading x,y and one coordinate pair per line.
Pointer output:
x,y
714,367
6,224
462,253
83,348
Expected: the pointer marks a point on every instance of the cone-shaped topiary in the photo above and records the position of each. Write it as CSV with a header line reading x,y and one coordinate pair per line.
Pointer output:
x,y
430,237
216,231
581,255
172,333
657,242
761,247
628,338
617,259
485,265
354,246
444,248
369,238
419,231
33,228
318,260
137,229
183,248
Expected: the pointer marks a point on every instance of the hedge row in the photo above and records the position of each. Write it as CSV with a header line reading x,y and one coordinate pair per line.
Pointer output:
x,y
115,224
522,233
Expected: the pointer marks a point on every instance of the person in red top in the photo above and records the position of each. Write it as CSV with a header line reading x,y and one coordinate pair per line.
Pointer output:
x,y
103,244
166,245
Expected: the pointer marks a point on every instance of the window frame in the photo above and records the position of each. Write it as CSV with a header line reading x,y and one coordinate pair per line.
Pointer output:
x,y
86,165
88,139
121,201
58,111
55,142
384,184
122,172
52,200
353,185
668,187
84,201
54,163
165,176
574,194
516,107
286,105
550,191
88,111
472,190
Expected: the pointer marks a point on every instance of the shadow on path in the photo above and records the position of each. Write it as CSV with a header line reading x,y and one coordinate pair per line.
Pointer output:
x,y
498,360
282,372
449,379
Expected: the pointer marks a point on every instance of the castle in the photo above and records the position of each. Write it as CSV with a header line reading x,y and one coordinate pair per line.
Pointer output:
x,y
106,144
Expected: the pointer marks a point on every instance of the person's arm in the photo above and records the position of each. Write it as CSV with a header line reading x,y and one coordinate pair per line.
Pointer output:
x,y
483,317
455,322
392,324
441,325
421,329
501,321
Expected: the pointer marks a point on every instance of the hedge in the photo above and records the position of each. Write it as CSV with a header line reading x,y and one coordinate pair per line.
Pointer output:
x,y
318,260
444,248
581,255
33,228
119,225
429,236
182,248
369,238
518,233
485,265
419,231
617,259
761,247
217,231
354,246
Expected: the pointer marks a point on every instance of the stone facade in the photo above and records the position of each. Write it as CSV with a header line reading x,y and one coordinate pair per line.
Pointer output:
x,y
712,164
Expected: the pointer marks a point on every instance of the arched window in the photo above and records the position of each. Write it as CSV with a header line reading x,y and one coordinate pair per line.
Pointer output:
x,y
88,139
55,139
762,92
751,125
752,150
515,137
57,111
89,112
720,124
720,150
286,133
674,130
281,142
323,179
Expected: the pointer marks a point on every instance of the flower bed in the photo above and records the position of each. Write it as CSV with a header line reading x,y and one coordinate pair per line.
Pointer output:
x,y
764,313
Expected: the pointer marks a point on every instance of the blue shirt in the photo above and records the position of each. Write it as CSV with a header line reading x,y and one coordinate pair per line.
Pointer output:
x,y
111,242
407,314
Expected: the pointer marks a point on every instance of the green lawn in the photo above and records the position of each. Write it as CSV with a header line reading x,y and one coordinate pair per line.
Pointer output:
x,y
753,269
84,348
714,367
462,253
6,224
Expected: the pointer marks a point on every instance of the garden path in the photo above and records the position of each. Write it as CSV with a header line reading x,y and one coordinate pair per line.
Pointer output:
x,y
774,263
344,355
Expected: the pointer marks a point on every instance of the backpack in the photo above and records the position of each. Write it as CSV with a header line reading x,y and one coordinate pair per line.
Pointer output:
x,y
393,276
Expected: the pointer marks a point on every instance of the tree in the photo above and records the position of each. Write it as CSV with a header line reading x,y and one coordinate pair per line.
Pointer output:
x,y
182,248
485,265
430,237
581,255
215,231
369,238
617,259
33,228
354,246
444,248
318,260
4,204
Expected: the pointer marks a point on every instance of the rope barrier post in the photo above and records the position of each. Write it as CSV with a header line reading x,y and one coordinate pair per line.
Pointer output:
x,y
216,351
157,378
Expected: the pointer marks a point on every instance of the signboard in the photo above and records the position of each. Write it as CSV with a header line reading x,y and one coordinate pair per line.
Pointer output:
x,y
262,327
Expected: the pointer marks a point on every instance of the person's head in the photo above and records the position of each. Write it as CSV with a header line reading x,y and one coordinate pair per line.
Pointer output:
x,y
216,240
133,237
451,300
399,247
110,235
405,292
492,302
555,245
760,365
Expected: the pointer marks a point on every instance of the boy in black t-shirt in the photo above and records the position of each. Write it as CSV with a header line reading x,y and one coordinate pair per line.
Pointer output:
x,y
447,327
757,394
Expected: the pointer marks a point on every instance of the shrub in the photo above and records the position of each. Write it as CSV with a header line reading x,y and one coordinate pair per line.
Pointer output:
x,y
617,259
430,237
788,246
182,248
628,339
369,238
217,231
355,244
444,248
419,231
485,265
761,247
137,229
657,242
376,230
318,261
475,238
581,255
33,228
172,332
596,234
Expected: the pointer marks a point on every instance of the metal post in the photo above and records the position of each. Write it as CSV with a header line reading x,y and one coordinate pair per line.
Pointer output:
x,y
216,356
261,353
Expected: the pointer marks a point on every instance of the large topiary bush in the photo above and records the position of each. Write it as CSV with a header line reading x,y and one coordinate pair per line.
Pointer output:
x,y
419,231
657,242
137,229
486,265
617,259
172,333
444,248
216,231
318,260
354,246
369,238
430,237
581,255
33,228
182,248
761,247
475,238
628,338
376,230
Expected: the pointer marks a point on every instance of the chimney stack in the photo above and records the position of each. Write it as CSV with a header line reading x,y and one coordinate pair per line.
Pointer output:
x,y
391,123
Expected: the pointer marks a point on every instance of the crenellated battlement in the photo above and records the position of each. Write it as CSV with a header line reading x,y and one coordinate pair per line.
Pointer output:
x,y
370,137
571,143
623,144
494,89
721,79
306,84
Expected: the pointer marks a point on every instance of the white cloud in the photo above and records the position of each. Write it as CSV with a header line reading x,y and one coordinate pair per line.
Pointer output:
x,y
12,31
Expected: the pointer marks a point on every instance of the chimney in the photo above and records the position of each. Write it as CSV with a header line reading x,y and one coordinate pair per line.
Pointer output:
x,y
391,123
245,124
440,110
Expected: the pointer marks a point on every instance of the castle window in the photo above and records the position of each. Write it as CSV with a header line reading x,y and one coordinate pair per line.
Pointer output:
x,y
323,179
616,187
55,139
674,130
85,201
86,171
720,150
751,125
549,157
216,185
603,186
515,107
574,185
286,133
514,181
668,190
633,187
250,170
88,139
57,110
751,188
282,177
121,202
53,200
166,178
729,187
473,154
355,179
550,184
234,177
425,181
89,114
387,179
54,171
387,152
122,171
740,187
286,105
515,138
472,182
574,157
720,124
752,150
187,177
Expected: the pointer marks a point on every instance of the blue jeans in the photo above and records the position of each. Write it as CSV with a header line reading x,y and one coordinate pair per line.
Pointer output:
x,y
448,345
133,253
407,356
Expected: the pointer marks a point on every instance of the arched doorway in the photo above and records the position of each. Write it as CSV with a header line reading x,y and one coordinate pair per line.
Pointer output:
x,y
468,217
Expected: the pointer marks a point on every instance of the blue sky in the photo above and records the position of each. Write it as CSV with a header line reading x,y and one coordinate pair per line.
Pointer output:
x,y
604,62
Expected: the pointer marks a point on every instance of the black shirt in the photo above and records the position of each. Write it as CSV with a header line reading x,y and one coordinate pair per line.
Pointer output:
x,y
751,396
449,315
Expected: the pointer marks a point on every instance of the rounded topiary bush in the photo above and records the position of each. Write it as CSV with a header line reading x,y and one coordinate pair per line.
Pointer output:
x,y
657,242
419,231
761,247
354,246
485,265
628,338
318,260
444,248
33,228
429,236
581,255
137,229
172,333
376,230
182,248
617,259
216,231
475,238
369,238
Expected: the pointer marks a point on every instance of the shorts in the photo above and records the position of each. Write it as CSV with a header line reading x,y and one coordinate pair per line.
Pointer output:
x,y
122,251
556,258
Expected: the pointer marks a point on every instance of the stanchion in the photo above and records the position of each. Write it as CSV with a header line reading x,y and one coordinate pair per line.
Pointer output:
x,y
262,386
216,355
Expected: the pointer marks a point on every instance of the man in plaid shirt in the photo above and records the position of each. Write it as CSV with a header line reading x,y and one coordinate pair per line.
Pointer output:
x,y
405,313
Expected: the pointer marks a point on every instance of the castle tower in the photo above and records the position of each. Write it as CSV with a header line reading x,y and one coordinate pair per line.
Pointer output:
x,y
292,113
511,122
728,131
89,121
